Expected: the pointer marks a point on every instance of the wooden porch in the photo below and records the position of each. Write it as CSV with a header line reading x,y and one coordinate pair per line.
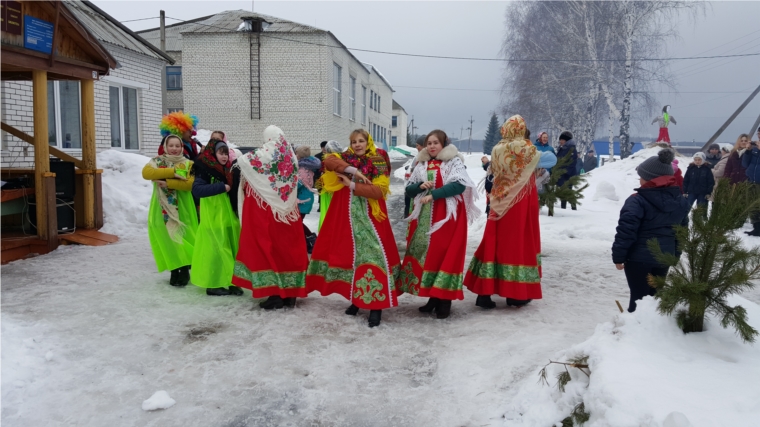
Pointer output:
x,y
62,50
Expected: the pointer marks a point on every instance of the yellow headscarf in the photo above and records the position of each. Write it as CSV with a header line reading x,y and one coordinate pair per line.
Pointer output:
x,y
331,183
513,161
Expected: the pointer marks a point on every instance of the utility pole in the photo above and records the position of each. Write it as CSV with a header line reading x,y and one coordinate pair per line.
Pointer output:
x,y
469,142
730,119
162,32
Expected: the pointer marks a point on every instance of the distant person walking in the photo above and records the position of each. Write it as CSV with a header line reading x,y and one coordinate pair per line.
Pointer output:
x,y
590,162
735,172
751,161
713,155
567,150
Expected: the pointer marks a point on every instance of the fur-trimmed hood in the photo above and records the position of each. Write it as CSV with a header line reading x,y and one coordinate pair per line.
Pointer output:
x,y
449,152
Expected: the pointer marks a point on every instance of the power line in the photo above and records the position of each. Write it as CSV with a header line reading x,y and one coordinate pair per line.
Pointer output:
x,y
141,19
463,58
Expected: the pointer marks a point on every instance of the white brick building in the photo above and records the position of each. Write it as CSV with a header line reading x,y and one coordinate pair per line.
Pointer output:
x,y
127,101
399,121
282,73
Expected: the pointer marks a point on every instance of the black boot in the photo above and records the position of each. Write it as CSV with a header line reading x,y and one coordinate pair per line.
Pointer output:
x,y
217,292
234,290
352,310
444,309
755,230
563,204
574,207
273,302
289,302
517,302
374,317
310,240
484,301
173,278
431,305
183,276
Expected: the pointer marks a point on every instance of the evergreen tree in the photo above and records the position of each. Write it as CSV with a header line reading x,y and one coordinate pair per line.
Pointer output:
x,y
571,190
715,263
492,135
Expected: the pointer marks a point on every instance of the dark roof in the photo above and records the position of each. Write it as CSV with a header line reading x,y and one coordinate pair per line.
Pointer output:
x,y
107,29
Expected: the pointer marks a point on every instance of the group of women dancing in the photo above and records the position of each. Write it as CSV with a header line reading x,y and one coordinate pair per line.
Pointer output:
x,y
251,234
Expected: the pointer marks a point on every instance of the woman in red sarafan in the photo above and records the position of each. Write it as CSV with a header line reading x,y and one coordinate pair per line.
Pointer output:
x,y
355,253
444,205
271,259
508,260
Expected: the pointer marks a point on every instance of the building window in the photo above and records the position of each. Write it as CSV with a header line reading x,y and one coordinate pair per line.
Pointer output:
x,y
394,141
378,103
124,126
372,100
364,104
394,121
173,78
64,114
172,110
336,88
352,98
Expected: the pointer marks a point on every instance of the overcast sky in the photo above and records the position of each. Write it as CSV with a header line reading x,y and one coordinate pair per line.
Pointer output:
x,y
445,93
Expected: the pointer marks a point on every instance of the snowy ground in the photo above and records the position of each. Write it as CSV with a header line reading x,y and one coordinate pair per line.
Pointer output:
x,y
89,334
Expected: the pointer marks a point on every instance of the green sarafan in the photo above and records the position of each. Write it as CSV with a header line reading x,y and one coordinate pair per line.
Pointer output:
x,y
571,190
714,264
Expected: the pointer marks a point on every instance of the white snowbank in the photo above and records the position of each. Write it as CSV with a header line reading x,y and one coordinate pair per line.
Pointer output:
x,y
159,400
126,195
645,370
397,155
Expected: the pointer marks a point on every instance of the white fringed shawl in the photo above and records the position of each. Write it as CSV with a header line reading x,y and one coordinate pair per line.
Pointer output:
x,y
270,175
452,170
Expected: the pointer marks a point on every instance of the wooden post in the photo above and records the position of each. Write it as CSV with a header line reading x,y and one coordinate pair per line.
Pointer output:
x,y
52,212
88,150
730,119
754,128
41,153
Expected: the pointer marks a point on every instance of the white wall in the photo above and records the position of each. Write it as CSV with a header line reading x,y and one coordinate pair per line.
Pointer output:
x,y
17,108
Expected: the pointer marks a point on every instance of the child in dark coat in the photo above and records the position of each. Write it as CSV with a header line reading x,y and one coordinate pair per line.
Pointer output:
x,y
699,181
652,212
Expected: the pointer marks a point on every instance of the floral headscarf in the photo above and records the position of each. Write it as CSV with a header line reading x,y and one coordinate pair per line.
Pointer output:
x,y
513,161
207,158
270,175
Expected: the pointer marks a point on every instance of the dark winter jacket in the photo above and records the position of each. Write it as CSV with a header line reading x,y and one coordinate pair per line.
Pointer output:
x,y
205,185
589,163
489,178
734,171
568,150
751,162
713,159
698,179
650,214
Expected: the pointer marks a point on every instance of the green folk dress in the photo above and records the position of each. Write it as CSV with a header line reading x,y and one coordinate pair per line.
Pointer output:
x,y
216,244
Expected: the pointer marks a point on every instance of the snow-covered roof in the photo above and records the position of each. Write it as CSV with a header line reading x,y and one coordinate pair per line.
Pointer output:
x,y
108,30
227,21
372,68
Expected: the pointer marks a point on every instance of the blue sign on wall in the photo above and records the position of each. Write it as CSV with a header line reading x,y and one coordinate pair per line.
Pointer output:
x,y
38,34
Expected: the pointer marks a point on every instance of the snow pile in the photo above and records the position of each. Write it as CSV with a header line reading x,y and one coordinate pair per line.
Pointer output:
x,y
126,195
159,400
397,155
644,370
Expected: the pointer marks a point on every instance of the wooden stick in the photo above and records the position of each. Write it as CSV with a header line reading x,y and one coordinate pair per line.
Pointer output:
x,y
620,307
